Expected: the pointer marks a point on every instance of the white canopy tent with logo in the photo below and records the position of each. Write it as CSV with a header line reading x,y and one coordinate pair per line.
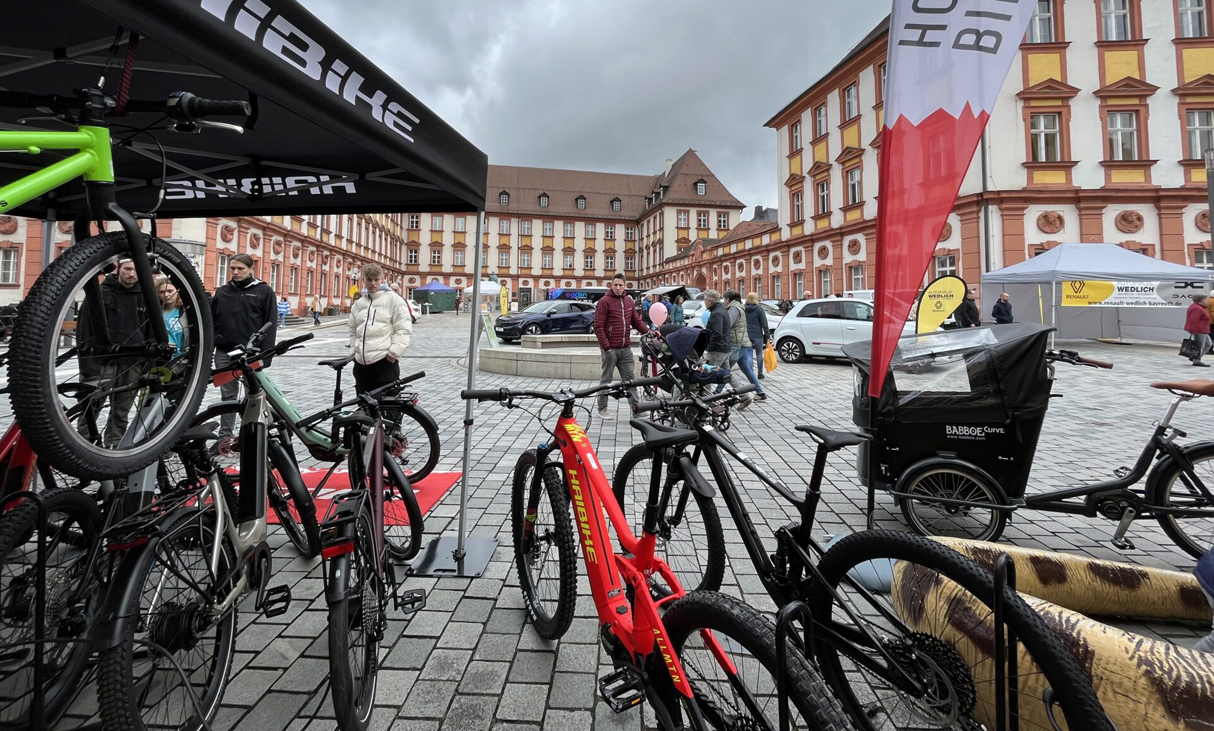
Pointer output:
x,y
1036,288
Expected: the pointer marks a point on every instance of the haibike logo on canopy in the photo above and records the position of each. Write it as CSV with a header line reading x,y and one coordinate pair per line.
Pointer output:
x,y
971,432
283,39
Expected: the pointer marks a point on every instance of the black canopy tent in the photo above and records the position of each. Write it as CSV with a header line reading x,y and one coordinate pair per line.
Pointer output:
x,y
329,133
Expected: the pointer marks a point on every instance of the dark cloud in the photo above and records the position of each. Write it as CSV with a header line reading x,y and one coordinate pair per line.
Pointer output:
x,y
615,86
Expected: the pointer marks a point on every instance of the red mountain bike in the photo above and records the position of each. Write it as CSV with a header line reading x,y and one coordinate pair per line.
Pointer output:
x,y
708,661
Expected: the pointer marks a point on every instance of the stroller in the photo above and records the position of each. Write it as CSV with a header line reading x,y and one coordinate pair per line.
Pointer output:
x,y
675,353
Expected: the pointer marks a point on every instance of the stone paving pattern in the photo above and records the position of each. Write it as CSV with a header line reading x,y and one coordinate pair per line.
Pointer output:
x,y
471,661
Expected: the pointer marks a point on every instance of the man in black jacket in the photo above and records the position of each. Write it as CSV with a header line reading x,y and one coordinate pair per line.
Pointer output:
x,y
718,350
966,313
126,320
240,308
1002,311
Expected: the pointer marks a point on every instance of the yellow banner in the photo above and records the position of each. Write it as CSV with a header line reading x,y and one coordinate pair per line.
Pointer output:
x,y
505,300
354,289
938,302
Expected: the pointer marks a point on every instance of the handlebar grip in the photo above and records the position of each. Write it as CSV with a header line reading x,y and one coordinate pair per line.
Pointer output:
x,y
288,344
497,394
643,382
188,106
644,407
1097,363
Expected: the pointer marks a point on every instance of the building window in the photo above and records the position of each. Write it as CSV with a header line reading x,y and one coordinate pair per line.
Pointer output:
x,y
1046,138
581,203
758,286
412,256
543,201
436,222
798,207
683,217
615,204
855,274
853,186
503,199
436,257
1201,132
503,226
588,262
630,262
630,233
945,265
824,283
1115,20
415,221
800,286
881,74
609,232
308,280
547,228
503,259
221,275
702,219
775,286
274,277
461,224
820,121
1123,136
796,136
591,231
823,197
609,261
294,278
1192,18
8,265
722,221
524,228
568,261
851,103
525,261
324,283
701,188
546,261
459,258
569,230
1202,259
1041,25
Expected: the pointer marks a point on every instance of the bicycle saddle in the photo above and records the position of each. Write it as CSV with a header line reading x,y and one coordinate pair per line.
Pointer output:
x,y
660,436
201,433
336,363
834,440
1200,386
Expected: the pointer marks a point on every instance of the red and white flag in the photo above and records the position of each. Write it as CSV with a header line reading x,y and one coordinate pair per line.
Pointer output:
x,y
947,61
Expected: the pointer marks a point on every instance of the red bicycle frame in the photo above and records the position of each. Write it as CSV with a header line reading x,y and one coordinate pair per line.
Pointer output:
x,y
18,463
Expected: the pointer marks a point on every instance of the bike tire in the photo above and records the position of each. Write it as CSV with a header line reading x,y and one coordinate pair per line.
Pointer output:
x,y
413,421
353,699
702,560
951,480
400,502
292,502
66,664
1162,492
550,623
734,623
119,690
1072,688
34,391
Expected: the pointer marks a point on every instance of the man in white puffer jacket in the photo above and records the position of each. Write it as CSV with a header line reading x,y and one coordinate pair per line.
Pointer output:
x,y
380,331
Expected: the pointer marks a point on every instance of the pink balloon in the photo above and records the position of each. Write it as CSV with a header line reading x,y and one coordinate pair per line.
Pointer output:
x,y
657,314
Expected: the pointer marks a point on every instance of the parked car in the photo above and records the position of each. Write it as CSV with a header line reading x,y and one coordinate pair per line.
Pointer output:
x,y
821,327
549,316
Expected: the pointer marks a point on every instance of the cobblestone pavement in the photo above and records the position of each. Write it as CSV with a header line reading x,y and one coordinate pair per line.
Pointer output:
x,y
470,661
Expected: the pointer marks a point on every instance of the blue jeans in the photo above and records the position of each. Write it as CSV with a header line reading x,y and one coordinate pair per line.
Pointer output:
x,y
282,320
742,358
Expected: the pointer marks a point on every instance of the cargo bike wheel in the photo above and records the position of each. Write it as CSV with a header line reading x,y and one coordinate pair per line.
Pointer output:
x,y
952,480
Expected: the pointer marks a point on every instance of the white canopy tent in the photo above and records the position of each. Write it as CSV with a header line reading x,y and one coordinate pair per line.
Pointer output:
x,y
488,289
1035,287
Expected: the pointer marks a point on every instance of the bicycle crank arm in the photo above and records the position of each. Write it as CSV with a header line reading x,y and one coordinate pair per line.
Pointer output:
x,y
1119,539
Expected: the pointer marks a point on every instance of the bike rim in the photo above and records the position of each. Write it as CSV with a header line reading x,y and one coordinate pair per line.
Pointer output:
x,y
1198,531
936,519
362,617
539,554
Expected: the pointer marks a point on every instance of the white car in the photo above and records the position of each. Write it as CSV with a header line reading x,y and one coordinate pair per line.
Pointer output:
x,y
821,327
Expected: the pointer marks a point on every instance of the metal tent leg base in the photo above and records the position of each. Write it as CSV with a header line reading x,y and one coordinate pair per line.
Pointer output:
x,y
438,558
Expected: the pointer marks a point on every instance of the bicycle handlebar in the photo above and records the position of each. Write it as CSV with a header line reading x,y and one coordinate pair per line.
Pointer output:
x,y
1073,357
645,407
181,105
506,394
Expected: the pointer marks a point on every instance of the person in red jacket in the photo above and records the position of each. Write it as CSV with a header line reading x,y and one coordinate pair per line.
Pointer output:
x,y
615,317
1197,325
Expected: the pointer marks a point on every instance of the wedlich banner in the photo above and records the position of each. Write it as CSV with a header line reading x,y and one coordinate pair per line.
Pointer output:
x,y
1089,293
947,61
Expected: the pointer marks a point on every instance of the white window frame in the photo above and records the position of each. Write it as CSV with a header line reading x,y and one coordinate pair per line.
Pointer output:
x,y
823,197
581,203
616,205
436,222
548,228
415,222
591,231
944,265
525,260
851,102
459,258
609,261
609,232
1041,25
292,279
702,220
570,230
1200,131
854,191
701,188
503,199
722,221
630,263
222,273
1119,132
412,255
798,206
1115,21
274,277
630,233
1040,133
1203,259
461,224
524,228
855,273
588,262
819,121
503,226
799,280
9,262
308,280
796,136
1192,18
547,261
543,201
436,257
824,282
684,219
775,286
567,262
503,259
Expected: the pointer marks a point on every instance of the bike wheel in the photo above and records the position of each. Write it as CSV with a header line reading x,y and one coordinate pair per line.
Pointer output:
x,y
689,535
356,626
930,610
543,546
955,482
57,391
1173,489
71,602
291,501
165,599
745,696
403,522
412,437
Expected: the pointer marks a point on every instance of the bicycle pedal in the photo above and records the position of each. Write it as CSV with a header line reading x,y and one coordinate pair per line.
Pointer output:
x,y
622,689
411,601
276,601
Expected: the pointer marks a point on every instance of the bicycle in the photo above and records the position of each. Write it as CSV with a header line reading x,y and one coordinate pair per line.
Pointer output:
x,y
116,360
688,661
897,619
358,579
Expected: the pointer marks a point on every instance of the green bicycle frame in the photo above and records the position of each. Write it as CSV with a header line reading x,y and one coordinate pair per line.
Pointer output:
x,y
94,161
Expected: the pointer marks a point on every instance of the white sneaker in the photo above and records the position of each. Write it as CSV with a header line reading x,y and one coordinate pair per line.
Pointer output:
x,y
603,413
746,402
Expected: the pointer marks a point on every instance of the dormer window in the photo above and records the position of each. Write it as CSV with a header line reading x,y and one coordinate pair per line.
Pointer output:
x,y
615,204
701,187
581,202
503,198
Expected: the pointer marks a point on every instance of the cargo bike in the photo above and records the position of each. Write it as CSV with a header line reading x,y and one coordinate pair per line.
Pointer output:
x,y
956,429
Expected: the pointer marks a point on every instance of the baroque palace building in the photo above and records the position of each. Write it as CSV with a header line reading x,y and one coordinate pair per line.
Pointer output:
x,y
544,229
1097,136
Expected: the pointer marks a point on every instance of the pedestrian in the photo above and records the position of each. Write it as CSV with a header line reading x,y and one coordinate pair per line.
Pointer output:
x,y
1197,324
380,331
966,314
740,348
807,295
758,331
615,317
646,303
459,303
717,351
284,309
240,308
314,308
170,302
126,319
677,315
1210,309
1002,311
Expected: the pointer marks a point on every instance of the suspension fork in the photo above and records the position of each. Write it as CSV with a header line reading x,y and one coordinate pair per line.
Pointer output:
x,y
535,493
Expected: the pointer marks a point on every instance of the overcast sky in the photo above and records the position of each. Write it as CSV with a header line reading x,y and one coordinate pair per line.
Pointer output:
x,y
610,85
